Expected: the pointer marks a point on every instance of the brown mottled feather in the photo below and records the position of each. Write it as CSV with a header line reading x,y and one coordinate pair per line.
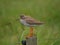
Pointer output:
x,y
32,21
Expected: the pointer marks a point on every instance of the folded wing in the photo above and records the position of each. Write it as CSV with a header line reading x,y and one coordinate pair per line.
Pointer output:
x,y
32,21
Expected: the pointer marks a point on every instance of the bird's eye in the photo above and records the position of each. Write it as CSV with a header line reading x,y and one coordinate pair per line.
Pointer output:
x,y
23,17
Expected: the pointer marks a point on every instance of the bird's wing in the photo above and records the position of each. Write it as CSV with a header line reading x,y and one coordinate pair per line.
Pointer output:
x,y
32,21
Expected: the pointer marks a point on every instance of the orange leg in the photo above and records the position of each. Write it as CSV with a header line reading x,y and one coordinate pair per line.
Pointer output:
x,y
30,32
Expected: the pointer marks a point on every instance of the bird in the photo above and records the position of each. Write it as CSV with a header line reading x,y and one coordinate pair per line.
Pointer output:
x,y
30,22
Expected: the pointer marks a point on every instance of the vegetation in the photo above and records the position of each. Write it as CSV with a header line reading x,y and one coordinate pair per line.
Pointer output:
x,y
47,11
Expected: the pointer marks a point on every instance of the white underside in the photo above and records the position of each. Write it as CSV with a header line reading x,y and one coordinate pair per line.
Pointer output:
x,y
24,23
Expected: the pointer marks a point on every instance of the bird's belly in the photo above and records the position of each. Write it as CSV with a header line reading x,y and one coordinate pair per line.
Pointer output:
x,y
24,22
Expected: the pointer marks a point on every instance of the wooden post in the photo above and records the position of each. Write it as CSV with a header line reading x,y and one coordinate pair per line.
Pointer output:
x,y
31,41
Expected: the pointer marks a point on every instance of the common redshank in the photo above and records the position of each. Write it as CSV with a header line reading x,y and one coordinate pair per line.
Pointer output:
x,y
29,21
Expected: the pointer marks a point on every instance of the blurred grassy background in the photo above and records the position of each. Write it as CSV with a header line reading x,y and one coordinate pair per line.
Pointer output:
x,y
47,11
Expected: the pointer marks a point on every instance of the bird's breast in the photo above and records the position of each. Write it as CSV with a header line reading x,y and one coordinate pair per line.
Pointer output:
x,y
24,22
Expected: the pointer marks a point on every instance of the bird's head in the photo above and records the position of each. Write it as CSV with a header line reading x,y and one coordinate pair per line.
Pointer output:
x,y
22,16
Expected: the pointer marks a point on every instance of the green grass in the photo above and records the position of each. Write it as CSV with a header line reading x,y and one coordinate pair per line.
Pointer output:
x,y
47,11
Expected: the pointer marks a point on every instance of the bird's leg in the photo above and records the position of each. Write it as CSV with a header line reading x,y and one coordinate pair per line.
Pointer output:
x,y
30,33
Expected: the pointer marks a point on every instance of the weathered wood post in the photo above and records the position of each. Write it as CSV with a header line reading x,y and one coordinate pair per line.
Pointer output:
x,y
31,41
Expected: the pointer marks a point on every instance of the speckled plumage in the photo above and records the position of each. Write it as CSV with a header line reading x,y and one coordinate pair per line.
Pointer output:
x,y
29,21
